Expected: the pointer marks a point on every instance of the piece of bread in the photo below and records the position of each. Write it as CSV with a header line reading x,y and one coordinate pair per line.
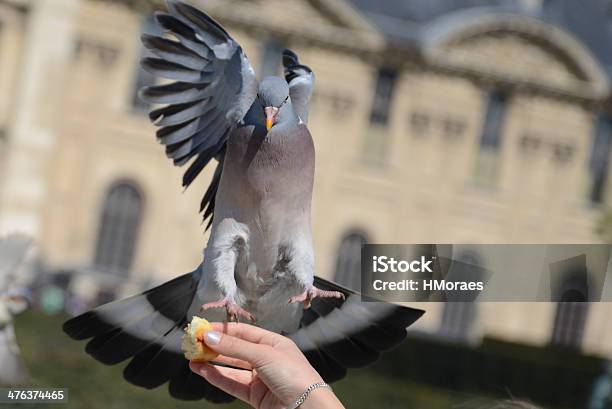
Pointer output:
x,y
193,341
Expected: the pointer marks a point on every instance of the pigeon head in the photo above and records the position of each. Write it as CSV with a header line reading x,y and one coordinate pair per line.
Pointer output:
x,y
273,93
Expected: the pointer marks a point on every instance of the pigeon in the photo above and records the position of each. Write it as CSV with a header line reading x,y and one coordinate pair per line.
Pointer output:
x,y
258,265
16,253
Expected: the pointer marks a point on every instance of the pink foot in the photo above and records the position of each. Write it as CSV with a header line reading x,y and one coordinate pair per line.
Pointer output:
x,y
233,310
313,292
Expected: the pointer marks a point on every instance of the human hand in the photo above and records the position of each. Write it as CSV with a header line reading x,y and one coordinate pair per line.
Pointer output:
x,y
275,372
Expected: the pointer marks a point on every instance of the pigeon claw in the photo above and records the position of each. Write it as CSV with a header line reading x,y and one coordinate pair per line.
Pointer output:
x,y
313,292
234,311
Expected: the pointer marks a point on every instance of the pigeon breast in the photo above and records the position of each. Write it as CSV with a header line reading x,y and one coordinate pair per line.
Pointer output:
x,y
271,168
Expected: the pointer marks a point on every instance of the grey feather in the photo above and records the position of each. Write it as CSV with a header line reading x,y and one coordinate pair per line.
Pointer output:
x,y
201,139
175,71
174,93
214,36
183,33
172,134
179,113
174,51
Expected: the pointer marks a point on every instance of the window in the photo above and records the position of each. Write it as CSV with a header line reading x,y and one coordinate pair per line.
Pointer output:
x,y
119,228
348,264
491,132
599,160
570,289
271,57
144,78
487,161
383,96
458,317
376,143
457,320
570,321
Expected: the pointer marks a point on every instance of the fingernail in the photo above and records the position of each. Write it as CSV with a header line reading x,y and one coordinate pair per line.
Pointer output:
x,y
212,338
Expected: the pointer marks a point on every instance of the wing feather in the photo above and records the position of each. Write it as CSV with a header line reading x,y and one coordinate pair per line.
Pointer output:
x,y
337,334
214,87
178,113
174,51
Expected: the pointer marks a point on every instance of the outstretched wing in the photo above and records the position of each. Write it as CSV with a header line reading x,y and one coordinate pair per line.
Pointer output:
x,y
214,86
301,83
336,335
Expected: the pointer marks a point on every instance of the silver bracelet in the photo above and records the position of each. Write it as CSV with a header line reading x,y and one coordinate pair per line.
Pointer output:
x,y
307,392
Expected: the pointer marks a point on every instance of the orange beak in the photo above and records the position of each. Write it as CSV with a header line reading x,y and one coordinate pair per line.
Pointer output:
x,y
271,113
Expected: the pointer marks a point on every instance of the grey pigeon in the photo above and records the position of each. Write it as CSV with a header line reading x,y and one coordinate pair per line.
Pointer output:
x,y
16,253
259,262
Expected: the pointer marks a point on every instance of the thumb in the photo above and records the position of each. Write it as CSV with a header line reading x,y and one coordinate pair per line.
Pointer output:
x,y
233,347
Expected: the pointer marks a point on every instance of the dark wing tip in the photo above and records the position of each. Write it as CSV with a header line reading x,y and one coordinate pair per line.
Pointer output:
x,y
72,327
195,15
292,66
289,58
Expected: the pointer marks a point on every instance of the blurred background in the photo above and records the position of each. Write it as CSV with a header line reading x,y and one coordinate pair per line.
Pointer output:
x,y
435,121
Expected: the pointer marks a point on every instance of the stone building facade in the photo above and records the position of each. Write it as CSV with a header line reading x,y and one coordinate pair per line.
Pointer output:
x,y
486,126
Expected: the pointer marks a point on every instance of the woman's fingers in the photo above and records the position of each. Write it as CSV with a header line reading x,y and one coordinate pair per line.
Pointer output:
x,y
233,347
248,332
237,363
236,382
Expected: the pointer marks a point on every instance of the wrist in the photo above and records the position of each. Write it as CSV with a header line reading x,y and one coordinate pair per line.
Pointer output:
x,y
321,398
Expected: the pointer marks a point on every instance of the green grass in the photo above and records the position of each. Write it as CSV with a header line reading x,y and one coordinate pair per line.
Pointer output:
x,y
55,360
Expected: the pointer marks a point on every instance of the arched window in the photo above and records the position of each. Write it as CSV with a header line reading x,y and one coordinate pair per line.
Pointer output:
x,y
599,159
348,262
570,320
119,227
570,289
487,167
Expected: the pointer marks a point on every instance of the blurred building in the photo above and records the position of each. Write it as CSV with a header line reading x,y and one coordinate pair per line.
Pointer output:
x,y
434,122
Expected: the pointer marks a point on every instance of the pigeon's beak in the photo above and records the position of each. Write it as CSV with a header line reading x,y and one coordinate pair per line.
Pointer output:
x,y
271,113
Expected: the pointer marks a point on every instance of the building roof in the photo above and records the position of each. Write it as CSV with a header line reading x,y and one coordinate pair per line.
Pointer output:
x,y
589,20
405,21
